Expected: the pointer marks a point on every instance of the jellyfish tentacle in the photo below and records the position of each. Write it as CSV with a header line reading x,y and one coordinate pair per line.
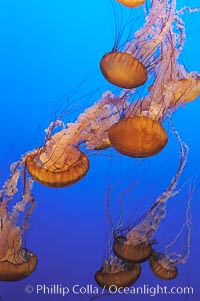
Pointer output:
x,y
16,263
183,256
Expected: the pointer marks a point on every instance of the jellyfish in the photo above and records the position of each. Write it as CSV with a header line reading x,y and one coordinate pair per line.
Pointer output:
x,y
16,262
117,273
131,252
184,90
134,243
138,136
164,265
123,70
130,68
131,3
53,170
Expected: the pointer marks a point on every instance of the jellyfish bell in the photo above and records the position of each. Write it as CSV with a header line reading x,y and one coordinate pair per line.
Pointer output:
x,y
117,273
57,168
138,136
123,70
162,266
13,272
16,263
134,252
184,90
131,3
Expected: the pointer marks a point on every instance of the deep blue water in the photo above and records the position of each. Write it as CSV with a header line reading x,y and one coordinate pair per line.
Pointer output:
x,y
46,49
